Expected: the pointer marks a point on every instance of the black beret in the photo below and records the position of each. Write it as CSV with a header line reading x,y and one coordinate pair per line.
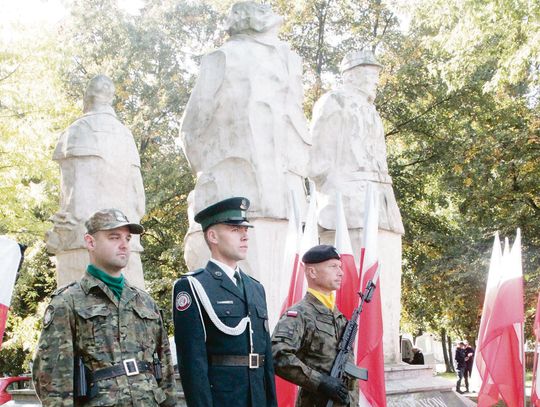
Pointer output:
x,y
231,211
318,254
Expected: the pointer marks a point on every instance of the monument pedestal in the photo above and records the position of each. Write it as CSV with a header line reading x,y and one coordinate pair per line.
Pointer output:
x,y
417,385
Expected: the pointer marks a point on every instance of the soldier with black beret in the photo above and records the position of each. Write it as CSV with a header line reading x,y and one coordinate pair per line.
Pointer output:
x,y
221,319
305,340
103,342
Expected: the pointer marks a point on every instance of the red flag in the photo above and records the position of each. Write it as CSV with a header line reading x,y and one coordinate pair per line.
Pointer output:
x,y
286,391
501,342
346,295
370,334
10,256
535,391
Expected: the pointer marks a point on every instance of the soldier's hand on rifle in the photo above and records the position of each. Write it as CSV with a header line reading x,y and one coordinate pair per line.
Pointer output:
x,y
334,389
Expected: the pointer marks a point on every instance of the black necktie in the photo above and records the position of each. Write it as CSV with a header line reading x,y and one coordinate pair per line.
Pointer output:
x,y
239,282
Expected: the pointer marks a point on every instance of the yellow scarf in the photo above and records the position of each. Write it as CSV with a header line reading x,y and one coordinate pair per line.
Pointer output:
x,y
328,300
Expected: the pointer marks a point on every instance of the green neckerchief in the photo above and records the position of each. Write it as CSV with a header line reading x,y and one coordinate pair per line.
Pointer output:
x,y
116,284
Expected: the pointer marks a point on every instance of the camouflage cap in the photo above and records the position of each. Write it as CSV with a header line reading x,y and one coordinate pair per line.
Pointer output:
x,y
107,219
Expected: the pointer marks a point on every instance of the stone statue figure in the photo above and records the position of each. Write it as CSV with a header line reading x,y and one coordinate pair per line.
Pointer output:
x,y
349,151
244,133
100,168
349,147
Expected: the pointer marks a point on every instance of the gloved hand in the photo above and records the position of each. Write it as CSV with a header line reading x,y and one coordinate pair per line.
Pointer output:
x,y
334,389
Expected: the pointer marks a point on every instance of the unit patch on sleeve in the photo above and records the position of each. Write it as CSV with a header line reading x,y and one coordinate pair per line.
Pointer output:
x,y
183,301
48,316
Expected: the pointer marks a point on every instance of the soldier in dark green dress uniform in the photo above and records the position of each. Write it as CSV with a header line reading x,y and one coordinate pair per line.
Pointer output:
x,y
305,340
221,320
103,341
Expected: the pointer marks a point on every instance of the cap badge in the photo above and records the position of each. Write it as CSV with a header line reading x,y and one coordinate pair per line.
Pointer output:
x,y
244,205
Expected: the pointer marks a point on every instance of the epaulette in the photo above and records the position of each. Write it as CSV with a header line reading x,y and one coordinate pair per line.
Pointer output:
x,y
254,279
60,290
193,273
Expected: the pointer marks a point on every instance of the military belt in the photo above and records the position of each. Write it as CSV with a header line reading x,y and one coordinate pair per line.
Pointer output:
x,y
253,360
128,367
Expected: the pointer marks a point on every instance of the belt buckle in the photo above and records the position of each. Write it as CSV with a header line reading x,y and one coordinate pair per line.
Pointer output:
x,y
253,360
130,366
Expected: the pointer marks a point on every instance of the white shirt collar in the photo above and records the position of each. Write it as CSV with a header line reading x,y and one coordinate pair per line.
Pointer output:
x,y
227,269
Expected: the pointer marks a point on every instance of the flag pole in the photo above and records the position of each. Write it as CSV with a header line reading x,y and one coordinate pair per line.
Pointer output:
x,y
523,356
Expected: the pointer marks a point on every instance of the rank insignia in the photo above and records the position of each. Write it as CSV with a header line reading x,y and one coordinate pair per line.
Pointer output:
x,y
293,314
183,301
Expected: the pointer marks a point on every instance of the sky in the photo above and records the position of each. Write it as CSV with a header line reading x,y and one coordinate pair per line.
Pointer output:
x,y
46,12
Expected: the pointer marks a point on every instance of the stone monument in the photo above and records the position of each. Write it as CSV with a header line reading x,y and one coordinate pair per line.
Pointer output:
x,y
349,151
100,168
244,133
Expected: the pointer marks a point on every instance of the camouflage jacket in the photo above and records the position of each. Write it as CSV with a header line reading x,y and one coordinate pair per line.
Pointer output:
x,y
304,346
86,319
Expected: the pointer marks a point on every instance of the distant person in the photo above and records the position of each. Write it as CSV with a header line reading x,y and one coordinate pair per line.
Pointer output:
x,y
406,350
461,365
469,360
418,356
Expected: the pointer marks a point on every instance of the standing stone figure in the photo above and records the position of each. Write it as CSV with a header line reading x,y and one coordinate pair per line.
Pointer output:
x,y
349,151
244,133
100,168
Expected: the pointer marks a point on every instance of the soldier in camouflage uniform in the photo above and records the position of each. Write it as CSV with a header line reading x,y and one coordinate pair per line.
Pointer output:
x,y
305,340
114,328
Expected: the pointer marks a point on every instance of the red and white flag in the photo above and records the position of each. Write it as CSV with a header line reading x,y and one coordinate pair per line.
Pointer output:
x,y
286,391
535,391
10,257
494,276
347,294
501,344
370,334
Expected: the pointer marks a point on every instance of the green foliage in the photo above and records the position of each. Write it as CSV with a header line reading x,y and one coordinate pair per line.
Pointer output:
x,y
35,282
469,36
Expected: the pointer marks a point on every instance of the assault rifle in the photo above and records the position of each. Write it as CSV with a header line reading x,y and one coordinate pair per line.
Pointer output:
x,y
341,364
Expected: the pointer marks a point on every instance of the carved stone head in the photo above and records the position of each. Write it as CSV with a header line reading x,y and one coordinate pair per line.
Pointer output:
x,y
249,17
99,92
360,71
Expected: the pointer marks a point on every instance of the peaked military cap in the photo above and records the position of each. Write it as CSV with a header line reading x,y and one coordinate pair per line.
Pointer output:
x,y
318,254
231,211
363,57
107,219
